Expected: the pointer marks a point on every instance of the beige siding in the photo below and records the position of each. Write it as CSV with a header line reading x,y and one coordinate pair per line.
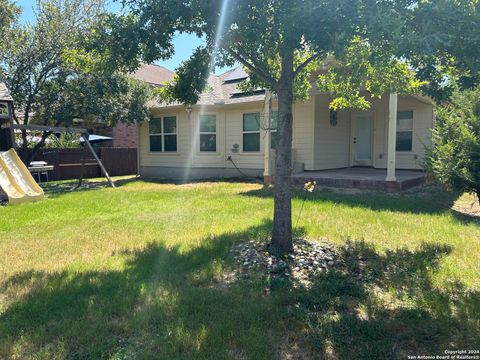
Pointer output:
x,y
303,133
332,143
316,143
229,132
207,159
380,133
178,159
234,135
422,123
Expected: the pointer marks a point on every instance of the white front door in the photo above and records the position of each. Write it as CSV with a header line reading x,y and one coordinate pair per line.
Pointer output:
x,y
362,138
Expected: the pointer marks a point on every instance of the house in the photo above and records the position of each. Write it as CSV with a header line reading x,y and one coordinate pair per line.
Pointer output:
x,y
126,135
227,134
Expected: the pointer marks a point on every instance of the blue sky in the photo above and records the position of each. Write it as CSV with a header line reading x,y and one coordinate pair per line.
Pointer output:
x,y
184,43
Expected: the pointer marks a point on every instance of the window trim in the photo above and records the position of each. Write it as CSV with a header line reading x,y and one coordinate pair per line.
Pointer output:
x,y
162,135
412,131
252,132
199,148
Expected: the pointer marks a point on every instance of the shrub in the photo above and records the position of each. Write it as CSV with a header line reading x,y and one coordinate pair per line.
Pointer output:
x,y
455,158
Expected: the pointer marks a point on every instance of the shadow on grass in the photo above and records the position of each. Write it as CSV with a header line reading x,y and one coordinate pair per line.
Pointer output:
x,y
386,306
57,188
165,303
170,303
431,202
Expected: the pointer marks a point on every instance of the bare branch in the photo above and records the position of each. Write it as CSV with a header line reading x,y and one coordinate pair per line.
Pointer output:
x,y
306,63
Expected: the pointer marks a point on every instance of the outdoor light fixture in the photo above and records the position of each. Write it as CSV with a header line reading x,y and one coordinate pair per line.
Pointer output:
x,y
333,117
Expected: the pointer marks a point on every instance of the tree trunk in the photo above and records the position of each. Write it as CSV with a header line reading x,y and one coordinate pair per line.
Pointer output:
x,y
38,146
282,218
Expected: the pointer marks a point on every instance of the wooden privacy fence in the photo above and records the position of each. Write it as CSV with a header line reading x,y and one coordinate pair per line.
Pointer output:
x,y
67,163
119,161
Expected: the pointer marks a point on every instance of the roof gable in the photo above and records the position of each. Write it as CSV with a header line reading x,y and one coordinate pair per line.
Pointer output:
x,y
4,93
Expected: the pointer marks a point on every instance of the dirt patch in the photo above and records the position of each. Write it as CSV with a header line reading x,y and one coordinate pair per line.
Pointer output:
x,y
468,205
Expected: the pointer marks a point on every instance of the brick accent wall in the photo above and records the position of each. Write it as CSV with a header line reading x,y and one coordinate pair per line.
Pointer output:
x,y
125,136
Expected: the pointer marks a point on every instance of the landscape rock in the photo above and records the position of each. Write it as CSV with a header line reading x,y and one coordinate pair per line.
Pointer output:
x,y
309,258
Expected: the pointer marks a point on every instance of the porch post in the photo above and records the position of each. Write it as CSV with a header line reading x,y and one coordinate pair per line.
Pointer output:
x,y
392,136
267,107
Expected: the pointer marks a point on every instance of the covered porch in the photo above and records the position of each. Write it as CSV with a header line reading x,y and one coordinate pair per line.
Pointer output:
x,y
362,178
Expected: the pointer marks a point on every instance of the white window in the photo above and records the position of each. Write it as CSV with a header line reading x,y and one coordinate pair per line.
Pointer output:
x,y
404,131
163,134
208,133
251,132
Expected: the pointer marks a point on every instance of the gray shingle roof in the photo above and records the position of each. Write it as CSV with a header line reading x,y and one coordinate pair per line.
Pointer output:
x,y
222,89
4,93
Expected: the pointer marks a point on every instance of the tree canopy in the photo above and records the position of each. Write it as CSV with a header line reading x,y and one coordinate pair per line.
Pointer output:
x,y
8,14
443,45
55,78
256,34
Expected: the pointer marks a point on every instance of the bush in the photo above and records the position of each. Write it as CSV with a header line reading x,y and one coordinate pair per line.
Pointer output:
x,y
455,158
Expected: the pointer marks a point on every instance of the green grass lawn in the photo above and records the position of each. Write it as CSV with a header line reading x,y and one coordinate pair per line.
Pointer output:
x,y
137,272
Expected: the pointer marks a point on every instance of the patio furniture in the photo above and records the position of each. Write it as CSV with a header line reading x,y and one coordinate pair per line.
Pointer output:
x,y
40,168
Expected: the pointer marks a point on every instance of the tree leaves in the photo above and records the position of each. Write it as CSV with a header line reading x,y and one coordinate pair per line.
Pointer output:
x,y
56,74
363,71
190,79
374,43
455,158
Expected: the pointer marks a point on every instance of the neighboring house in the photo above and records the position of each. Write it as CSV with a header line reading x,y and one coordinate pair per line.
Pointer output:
x,y
126,135
226,134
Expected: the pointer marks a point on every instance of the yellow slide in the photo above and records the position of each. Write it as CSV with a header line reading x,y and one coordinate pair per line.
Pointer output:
x,y
16,181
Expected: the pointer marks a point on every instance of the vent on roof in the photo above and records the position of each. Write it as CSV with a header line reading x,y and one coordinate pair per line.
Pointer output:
x,y
236,75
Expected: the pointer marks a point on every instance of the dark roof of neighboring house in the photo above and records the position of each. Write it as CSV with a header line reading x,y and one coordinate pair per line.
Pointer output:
x,y
223,90
4,93
153,74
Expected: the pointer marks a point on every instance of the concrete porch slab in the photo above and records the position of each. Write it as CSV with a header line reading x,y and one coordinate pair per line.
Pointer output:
x,y
362,178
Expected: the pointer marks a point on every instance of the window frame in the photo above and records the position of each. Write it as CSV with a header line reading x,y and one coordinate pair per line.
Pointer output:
x,y
200,133
251,132
405,131
162,135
